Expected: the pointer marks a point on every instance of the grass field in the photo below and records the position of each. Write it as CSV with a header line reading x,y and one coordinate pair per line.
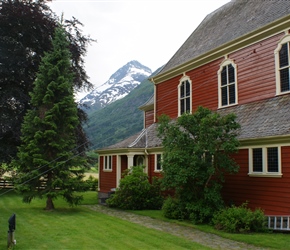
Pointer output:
x,y
269,240
77,228
81,228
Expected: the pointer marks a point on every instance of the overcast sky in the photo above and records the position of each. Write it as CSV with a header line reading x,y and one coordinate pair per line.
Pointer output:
x,y
148,31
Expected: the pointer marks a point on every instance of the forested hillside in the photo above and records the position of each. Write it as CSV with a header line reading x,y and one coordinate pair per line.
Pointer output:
x,y
120,119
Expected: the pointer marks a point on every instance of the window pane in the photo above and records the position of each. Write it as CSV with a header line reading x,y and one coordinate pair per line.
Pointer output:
x,y
158,161
182,90
257,160
283,55
187,101
106,161
232,93
110,162
284,79
231,72
187,86
182,106
224,76
272,155
224,96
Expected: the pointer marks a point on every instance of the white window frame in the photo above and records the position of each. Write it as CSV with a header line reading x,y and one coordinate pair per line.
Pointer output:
x,y
156,163
108,163
265,172
285,39
225,63
181,81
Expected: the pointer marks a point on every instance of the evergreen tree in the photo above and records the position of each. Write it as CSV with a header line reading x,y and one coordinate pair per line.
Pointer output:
x,y
48,151
26,31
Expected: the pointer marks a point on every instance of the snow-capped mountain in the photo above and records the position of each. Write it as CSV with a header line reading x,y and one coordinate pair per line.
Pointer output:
x,y
118,86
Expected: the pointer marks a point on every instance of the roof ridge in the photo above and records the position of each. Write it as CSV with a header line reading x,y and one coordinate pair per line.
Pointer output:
x,y
137,139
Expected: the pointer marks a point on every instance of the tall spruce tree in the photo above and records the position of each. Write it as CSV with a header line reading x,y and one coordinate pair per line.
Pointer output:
x,y
26,31
48,150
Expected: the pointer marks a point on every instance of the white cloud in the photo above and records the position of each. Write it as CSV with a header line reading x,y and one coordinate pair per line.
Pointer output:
x,y
147,31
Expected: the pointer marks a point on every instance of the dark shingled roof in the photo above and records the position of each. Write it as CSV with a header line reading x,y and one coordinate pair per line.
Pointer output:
x,y
262,119
231,21
147,138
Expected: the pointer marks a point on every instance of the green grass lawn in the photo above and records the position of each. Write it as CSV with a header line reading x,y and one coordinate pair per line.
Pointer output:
x,y
270,240
78,228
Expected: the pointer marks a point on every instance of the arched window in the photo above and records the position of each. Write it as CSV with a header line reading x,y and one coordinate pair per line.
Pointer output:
x,y
282,63
184,95
227,80
140,161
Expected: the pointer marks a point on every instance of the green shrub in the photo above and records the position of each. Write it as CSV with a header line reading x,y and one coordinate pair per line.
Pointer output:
x,y
92,183
136,193
196,209
240,220
173,209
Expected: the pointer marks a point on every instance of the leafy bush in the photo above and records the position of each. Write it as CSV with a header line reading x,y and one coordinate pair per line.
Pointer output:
x,y
173,209
240,220
92,183
136,193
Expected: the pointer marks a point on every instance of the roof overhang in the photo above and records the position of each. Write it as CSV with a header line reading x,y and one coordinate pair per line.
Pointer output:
x,y
271,140
271,29
125,151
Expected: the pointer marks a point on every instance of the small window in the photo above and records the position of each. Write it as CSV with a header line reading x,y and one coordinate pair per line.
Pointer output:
x,y
227,78
140,160
282,60
158,162
107,162
184,96
265,161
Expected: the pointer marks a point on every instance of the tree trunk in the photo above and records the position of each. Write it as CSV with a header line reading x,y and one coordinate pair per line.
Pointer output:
x,y
49,203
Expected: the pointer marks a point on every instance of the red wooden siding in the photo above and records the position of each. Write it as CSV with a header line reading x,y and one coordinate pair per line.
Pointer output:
x,y
166,101
256,70
151,167
124,164
255,73
205,85
107,178
269,193
149,118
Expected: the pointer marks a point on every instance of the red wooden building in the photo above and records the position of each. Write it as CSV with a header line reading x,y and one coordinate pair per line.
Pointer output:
x,y
236,61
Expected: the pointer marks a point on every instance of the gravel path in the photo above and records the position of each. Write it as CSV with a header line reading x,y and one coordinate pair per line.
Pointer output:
x,y
206,239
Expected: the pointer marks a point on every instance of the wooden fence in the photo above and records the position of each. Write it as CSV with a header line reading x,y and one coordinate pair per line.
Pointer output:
x,y
5,184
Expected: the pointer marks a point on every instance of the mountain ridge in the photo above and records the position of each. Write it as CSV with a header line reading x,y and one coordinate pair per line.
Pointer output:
x,y
120,119
120,84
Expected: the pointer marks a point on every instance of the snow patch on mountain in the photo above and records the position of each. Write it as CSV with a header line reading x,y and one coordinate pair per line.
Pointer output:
x,y
120,84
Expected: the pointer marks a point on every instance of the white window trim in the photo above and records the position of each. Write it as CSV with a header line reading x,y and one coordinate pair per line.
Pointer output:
x,y
107,167
282,41
155,163
183,79
265,173
223,64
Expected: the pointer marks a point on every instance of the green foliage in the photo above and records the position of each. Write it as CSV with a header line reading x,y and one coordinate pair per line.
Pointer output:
x,y
92,160
240,220
135,192
47,152
22,48
174,209
120,119
196,155
92,183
